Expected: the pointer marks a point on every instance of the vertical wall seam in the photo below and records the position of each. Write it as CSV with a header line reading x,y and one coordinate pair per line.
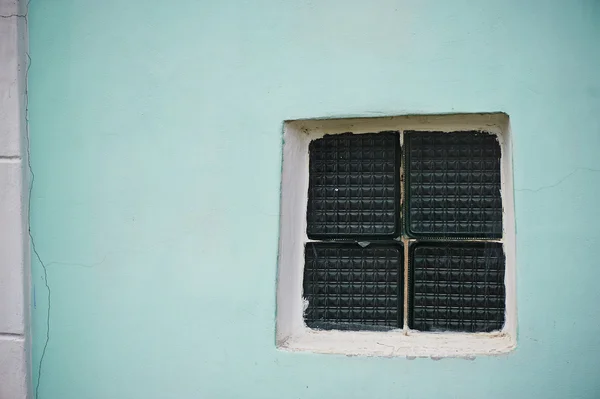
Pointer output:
x,y
24,50
31,242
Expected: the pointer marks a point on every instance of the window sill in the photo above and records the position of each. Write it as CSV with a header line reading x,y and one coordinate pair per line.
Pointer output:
x,y
400,343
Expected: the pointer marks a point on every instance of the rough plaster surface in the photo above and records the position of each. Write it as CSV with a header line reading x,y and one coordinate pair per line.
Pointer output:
x,y
10,95
14,239
9,7
12,312
156,143
13,368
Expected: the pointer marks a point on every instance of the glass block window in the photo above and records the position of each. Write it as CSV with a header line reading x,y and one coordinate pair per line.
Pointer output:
x,y
354,186
453,185
352,287
457,287
429,208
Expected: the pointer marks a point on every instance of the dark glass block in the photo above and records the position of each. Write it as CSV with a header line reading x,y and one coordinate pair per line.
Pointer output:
x,y
354,186
457,287
349,287
453,185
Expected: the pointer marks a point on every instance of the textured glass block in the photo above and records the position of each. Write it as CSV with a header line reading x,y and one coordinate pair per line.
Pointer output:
x,y
349,287
354,186
453,185
457,287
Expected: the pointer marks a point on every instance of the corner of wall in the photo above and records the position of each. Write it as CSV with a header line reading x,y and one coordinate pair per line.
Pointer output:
x,y
14,238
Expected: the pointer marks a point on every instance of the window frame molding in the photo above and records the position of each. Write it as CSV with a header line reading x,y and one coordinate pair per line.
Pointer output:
x,y
291,332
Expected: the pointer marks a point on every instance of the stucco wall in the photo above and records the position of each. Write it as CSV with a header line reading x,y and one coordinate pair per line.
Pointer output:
x,y
14,240
156,144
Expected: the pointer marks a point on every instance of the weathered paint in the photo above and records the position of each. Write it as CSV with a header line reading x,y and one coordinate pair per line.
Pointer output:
x,y
156,144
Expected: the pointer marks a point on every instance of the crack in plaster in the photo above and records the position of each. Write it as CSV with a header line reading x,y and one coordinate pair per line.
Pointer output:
x,y
31,239
31,182
535,190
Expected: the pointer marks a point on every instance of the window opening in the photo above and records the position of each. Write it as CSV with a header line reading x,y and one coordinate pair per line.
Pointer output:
x,y
366,203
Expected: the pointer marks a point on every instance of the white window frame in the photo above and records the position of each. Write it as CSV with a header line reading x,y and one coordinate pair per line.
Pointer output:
x,y
292,333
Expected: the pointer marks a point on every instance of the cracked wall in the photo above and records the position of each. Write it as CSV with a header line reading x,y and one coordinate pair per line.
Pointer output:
x,y
156,135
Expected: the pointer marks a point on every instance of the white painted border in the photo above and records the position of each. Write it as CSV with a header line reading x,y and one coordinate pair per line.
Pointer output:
x,y
14,237
292,334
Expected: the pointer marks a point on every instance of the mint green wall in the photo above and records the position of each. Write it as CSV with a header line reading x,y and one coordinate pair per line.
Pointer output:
x,y
156,133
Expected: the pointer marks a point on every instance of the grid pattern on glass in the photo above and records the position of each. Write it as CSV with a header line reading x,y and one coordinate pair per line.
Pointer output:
x,y
457,287
453,185
354,186
349,287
